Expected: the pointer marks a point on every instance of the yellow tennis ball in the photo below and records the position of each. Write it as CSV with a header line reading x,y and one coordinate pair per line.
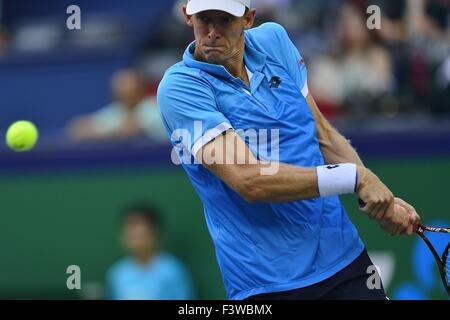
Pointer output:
x,y
22,136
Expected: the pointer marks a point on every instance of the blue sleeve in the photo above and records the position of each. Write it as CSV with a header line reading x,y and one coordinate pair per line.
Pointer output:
x,y
290,57
189,111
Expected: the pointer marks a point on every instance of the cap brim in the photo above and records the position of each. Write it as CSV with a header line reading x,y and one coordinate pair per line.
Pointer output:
x,y
232,7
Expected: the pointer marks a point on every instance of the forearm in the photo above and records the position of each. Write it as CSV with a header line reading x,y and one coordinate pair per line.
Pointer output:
x,y
229,158
289,183
337,149
292,183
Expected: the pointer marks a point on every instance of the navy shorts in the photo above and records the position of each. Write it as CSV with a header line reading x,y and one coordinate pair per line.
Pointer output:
x,y
351,283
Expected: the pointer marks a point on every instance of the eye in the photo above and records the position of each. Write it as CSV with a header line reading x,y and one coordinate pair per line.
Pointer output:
x,y
227,20
203,19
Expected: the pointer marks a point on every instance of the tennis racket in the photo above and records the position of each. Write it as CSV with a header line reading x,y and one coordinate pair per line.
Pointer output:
x,y
443,262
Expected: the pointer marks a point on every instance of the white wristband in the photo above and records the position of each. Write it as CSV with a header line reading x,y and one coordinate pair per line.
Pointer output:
x,y
337,179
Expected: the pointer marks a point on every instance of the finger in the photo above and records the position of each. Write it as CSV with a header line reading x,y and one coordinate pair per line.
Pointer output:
x,y
374,209
404,204
400,219
410,230
387,227
414,218
383,203
407,206
400,229
367,210
384,209
406,228
380,210
412,225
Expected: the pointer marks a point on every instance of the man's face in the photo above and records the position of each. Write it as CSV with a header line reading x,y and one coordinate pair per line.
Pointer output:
x,y
219,35
128,88
138,237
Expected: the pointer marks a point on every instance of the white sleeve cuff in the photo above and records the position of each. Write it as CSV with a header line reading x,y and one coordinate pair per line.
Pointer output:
x,y
210,135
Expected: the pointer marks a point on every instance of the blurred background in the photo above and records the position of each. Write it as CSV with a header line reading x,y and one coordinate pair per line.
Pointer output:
x,y
87,194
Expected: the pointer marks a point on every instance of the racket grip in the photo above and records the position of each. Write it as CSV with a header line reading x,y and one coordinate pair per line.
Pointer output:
x,y
361,203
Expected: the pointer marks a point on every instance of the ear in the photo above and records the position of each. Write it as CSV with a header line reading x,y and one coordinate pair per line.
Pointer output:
x,y
249,19
187,17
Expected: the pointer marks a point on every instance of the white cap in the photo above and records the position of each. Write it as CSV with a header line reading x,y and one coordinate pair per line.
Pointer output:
x,y
234,7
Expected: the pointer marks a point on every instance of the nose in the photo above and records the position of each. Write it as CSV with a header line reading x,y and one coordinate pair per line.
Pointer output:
x,y
213,34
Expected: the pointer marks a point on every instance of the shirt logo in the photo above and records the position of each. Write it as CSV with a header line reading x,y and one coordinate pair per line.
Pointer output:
x,y
275,82
332,167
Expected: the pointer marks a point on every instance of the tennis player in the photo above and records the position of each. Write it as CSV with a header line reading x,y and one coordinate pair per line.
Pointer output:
x,y
281,233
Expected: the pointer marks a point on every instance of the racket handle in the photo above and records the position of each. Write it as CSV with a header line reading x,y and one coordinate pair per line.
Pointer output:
x,y
361,203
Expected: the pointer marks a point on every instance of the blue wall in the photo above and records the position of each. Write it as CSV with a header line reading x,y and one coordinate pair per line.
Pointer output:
x,y
51,87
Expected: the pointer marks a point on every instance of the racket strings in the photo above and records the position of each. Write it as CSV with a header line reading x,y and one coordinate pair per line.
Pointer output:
x,y
447,271
447,265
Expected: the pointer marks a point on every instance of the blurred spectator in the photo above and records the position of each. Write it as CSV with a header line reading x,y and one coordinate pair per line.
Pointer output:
x,y
441,91
429,48
132,113
417,35
147,273
271,10
355,73
4,40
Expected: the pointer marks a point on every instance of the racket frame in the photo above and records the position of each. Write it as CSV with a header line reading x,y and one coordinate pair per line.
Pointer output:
x,y
440,261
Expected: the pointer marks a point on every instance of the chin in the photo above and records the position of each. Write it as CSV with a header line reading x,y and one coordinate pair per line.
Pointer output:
x,y
214,58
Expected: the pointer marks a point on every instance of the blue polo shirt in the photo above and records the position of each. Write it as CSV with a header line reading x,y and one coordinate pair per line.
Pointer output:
x,y
260,247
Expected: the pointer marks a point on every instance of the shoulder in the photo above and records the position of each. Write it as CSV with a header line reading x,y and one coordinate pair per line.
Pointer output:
x,y
267,30
119,267
182,90
170,261
171,266
180,77
111,109
267,34
273,40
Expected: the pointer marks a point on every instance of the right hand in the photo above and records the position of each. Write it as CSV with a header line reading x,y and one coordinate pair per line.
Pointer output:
x,y
399,219
374,194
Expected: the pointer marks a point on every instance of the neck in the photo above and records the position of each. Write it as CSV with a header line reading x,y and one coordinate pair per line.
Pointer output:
x,y
145,258
235,64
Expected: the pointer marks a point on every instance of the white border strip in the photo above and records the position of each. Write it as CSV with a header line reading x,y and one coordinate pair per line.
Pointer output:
x,y
305,90
210,135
